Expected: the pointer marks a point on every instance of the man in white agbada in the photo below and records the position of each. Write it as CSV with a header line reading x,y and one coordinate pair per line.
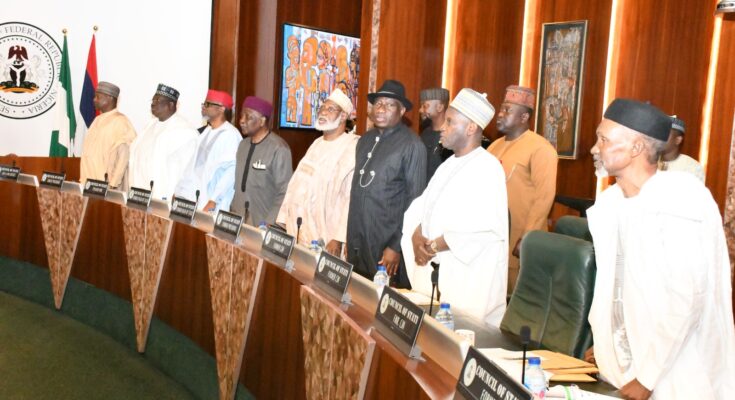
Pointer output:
x,y
161,153
661,316
319,190
461,219
212,169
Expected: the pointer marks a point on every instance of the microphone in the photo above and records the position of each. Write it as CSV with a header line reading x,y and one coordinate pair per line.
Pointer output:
x,y
151,185
196,202
298,228
247,211
525,338
434,284
105,176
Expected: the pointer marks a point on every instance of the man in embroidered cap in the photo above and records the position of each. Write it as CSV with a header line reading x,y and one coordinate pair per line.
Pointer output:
x,y
451,224
212,169
434,104
529,162
319,191
263,165
672,159
390,171
106,149
662,310
162,152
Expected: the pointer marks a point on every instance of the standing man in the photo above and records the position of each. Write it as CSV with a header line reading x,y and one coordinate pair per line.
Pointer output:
x,y
164,149
672,159
390,171
106,149
451,223
212,169
529,162
662,310
433,109
319,191
263,165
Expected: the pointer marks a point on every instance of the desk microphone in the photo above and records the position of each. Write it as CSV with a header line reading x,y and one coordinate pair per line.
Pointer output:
x,y
525,338
298,228
105,176
247,211
434,284
151,185
196,202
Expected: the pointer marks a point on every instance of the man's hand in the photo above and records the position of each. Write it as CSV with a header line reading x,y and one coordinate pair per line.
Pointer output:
x,y
391,259
634,390
421,251
517,249
210,206
334,248
589,355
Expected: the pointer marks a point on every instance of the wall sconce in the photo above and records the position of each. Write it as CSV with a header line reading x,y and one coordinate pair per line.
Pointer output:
x,y
725,6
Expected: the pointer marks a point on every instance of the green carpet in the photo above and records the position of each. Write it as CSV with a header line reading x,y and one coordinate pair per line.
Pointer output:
x,y
46,355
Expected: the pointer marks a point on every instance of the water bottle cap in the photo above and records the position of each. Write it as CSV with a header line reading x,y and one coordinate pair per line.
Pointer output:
x,y
262,223
381,267
314,242
444,306
534,361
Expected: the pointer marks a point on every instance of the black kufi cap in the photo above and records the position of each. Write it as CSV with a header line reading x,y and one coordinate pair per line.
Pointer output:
x,y
640,117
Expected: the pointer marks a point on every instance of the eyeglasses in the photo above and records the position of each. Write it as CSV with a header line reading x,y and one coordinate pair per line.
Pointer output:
x,y
328,109
210,104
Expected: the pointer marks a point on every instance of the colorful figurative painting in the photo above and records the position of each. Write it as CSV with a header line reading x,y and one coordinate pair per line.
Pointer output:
x,y
315,62
560,85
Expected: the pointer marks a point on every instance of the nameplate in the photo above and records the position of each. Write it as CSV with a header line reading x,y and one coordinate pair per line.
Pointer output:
x,y
278,243
332,275
9,173
139,198
52,179
95,188
399,320
227,226
182,210
483,379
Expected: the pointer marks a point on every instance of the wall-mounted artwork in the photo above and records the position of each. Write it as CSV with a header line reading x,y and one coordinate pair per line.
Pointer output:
x,y
560,85
315,62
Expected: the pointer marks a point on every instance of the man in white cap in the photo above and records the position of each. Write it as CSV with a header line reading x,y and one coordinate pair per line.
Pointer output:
x,y
106,149
319,191
452,224
165,148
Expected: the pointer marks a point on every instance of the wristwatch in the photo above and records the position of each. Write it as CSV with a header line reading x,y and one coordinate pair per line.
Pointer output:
x,y
434,246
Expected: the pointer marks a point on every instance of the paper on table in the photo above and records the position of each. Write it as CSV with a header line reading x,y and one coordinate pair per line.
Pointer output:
x,y
559,392
511,362
493,353
417,298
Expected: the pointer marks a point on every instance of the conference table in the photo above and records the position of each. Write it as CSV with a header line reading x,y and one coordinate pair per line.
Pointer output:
x,y
266,352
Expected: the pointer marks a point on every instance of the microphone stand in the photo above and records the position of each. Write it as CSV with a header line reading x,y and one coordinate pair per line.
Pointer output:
x,y
434,284
525,338
298,228
247,211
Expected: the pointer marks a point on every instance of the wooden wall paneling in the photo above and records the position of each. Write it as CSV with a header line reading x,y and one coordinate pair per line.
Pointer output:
x,y
577,177
224,45
487,50
184,300
366,39
723,112
21,233
664,58
100,258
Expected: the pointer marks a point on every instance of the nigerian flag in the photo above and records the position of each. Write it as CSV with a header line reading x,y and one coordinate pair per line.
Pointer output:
x,y
65,124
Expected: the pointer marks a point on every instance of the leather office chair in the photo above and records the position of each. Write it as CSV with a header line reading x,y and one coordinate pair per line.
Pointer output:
x,y
554,292
573,226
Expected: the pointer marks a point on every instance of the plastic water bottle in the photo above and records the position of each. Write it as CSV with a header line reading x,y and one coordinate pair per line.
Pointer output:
x,y
315,246
535,379
444,316
381,279
263,228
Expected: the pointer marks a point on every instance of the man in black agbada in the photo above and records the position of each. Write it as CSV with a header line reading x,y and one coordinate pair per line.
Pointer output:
x,y
390,171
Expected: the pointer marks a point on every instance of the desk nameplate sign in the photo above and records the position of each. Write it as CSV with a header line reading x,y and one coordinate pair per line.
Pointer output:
x,y
483,379
52,180
399,320
279,244
9,173
227,226
332,275
95,188
138,198
182,210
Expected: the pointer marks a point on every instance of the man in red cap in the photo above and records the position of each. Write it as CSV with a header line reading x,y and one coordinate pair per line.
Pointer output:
x,y
529,162
212,170
263,165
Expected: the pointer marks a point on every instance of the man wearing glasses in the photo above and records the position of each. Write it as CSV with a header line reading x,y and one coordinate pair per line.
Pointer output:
x,y
319,191
212,169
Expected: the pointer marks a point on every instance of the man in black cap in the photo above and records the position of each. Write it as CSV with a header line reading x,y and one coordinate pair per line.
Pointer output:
x,y
164,148
390,171
434,103
662,311
672,159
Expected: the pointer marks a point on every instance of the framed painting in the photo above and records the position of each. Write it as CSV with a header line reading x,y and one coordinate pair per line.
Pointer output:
x,y
560,85
315,62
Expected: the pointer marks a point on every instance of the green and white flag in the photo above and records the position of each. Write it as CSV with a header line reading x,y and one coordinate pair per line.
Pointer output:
x,y
65,124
